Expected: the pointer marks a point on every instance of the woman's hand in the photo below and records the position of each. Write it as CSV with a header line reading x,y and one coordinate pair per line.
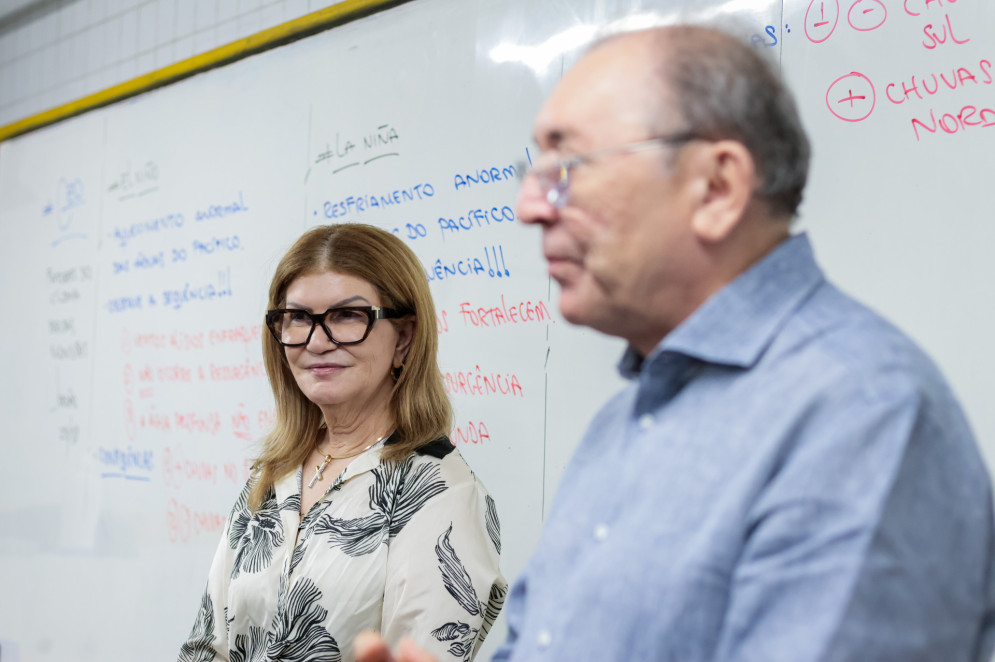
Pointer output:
x,y
370,647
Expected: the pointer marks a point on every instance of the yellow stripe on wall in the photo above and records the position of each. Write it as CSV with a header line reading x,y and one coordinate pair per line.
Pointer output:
x,y
343,12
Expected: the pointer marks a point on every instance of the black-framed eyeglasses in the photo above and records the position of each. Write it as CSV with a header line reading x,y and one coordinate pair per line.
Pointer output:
x,y
554,178
346,325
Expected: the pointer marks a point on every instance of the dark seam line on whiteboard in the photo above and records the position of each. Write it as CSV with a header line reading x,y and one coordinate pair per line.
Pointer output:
x,y
545,431
307,156
88,490
382,156
780,45
344,167
545,402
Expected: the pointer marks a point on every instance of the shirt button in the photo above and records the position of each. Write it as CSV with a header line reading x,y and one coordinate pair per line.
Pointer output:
x,y
646,421
544,639
601,532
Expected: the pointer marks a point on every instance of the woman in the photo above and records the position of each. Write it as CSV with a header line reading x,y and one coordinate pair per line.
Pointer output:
x,y
360,514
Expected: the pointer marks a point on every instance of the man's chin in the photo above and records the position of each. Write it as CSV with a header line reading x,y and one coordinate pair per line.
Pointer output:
x,y
575,310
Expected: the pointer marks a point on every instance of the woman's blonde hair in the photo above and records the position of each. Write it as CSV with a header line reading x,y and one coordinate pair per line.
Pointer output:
x,y
422,411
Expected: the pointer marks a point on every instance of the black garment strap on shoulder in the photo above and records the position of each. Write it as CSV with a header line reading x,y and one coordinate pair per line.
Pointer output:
x,y
439,448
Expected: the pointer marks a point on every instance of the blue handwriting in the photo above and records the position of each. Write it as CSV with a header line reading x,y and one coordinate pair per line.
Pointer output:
x,y
476,218
221,211
485,176
126,462
361,203
472,266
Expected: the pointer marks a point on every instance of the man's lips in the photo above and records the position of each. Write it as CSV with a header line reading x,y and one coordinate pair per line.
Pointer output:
x,y
558,263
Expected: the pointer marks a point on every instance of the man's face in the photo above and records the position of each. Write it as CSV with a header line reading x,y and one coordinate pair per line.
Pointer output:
x,y
617,246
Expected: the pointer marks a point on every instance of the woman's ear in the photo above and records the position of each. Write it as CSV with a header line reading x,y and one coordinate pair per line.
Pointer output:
x,y
729,175
405,335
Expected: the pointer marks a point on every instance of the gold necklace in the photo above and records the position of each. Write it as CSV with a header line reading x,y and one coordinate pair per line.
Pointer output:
x,y
328,459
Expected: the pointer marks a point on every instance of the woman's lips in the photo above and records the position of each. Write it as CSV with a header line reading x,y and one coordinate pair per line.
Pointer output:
x,y
325,368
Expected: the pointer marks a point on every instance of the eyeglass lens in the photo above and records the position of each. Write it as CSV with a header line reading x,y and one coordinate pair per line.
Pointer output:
x,y
346,325
554,182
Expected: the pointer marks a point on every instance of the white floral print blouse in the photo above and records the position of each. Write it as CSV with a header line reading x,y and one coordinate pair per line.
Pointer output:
x,y
408,549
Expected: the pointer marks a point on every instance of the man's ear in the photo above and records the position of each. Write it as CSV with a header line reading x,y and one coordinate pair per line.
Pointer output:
x,y
728,174
405,334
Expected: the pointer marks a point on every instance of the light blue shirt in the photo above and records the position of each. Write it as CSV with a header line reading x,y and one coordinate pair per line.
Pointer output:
x,y
786,478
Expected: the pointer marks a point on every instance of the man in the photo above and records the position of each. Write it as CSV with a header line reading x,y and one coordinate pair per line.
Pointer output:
x,y
787,478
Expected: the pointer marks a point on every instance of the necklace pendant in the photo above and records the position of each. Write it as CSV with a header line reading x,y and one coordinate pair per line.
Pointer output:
x,y
317,473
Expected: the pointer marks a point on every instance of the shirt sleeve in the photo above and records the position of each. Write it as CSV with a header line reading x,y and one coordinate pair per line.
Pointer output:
x,y
208,638
443,585
860,548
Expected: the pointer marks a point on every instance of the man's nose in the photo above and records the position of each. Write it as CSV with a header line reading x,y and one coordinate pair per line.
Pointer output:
x,y
533,205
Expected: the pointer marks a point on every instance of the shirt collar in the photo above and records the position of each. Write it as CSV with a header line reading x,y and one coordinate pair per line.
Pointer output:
x,y
739,322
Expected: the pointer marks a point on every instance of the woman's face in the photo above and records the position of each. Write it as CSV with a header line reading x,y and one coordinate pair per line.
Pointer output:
x,y
344,377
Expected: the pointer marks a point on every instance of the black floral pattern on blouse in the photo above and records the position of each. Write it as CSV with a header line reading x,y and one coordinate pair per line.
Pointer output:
x,y
493,523
298,633
255,535
250,647
398,492
199,645
462,638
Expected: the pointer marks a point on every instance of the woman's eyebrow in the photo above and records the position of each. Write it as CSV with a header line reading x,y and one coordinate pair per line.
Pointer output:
x,y
339,304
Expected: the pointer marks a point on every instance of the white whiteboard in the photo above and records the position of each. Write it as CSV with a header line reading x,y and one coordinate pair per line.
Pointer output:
x,y
137,243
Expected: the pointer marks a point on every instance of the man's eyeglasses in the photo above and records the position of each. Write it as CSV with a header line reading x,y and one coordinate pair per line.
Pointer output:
x,y
347,325
554,178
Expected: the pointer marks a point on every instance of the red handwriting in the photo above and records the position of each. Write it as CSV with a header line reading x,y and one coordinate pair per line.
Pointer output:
x,y
129,419
168,373
442,322
231,470
240,371
925,5
183,340
968,116
822,16
851,98
959,77
524,311
867,15
150,340
192,422
471,433
209,422
238,423
246,369
820,19
265,418
236,334
474,382
935,39
176,469
182,523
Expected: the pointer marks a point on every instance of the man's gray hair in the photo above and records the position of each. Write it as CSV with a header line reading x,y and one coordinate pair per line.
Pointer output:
x,y
725,90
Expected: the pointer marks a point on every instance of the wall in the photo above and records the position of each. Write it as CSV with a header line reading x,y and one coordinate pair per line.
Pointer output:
x,y
56,51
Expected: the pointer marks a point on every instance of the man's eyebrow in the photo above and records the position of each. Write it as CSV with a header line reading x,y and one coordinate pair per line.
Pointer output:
x,y
550,139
